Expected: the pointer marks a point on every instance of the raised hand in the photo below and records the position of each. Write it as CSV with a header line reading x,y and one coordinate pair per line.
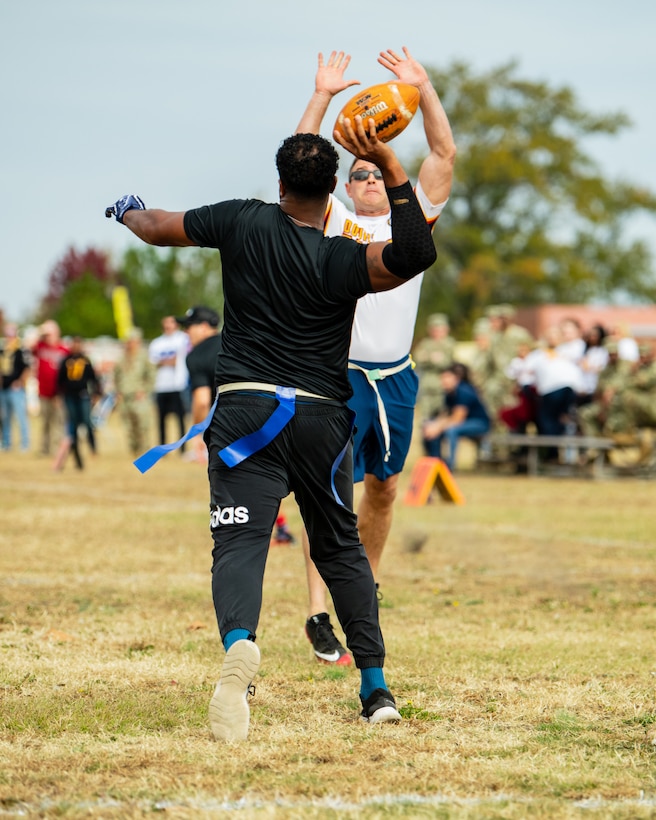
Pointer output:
x,y
407,70
330,75
361,140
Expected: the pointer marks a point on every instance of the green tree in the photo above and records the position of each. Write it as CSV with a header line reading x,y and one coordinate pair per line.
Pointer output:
x,y
167,282
84,309
531,218
160,282
78,295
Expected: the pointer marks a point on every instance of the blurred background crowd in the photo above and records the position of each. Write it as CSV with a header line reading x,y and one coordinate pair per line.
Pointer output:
x,y
571,378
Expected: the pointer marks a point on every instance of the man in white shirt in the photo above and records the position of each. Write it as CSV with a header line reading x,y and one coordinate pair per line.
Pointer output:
x,y
168,353
380,368
558,381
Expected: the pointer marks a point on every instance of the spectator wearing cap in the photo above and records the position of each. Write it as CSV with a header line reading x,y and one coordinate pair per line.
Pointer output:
x,y
201,324
134,380
432,354
637,408
481,364
168,353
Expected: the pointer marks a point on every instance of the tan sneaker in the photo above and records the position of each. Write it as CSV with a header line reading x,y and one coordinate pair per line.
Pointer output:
x,y
229,711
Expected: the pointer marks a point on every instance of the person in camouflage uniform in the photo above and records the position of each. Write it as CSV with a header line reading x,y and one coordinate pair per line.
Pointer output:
x,y
505,341
481,364
637,407
134,380
433,353
605,415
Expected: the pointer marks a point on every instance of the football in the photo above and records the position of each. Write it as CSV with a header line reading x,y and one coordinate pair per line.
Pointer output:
x,y
392,106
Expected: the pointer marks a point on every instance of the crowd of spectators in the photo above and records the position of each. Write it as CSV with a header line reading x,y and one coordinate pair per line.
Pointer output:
x,y
593,381
56,381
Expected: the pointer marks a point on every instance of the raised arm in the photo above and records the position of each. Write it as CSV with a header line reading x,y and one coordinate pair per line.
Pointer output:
x,y
436,172
152,225
328,81
411,250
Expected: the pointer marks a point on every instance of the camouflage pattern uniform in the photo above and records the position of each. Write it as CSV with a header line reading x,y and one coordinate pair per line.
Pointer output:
x,y
605,415
482,364
506,339
637,407
432,354
134,379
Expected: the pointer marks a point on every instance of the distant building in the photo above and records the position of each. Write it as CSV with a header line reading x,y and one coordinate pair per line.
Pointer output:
x,y
637,321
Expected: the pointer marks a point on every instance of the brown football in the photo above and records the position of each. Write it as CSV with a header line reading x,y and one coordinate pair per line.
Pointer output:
x,y
392,106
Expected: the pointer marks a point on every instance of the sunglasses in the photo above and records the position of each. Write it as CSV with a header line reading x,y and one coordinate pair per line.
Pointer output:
x,y
362,174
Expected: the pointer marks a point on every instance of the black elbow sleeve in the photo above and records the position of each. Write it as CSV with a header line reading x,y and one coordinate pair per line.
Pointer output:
x,y
412,249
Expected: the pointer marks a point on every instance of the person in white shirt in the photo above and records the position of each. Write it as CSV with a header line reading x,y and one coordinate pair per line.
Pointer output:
x,y
558,381
572,343
168,353
627,347
593,361
380,367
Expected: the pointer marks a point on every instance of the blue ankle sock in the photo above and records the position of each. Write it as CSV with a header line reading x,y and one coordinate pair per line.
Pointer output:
x,y
372,678
235,635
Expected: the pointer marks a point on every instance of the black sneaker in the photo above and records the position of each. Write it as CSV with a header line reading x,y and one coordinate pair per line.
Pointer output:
x,y
380,707
327,648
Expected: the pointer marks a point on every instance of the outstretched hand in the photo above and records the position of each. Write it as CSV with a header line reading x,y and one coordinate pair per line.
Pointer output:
x,y
407,70
361,141
330,76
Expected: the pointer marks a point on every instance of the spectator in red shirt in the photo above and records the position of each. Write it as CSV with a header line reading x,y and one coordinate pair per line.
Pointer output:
x,y
49,352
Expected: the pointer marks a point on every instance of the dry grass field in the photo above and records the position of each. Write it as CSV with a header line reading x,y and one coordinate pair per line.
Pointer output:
x,y
521,646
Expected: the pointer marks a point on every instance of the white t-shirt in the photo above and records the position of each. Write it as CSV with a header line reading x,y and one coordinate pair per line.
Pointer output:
x,y
170,378
627,349
520,370
593,362
384,323
553,371
572,349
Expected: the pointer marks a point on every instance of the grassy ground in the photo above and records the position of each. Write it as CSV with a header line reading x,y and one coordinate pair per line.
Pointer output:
x,y
520,644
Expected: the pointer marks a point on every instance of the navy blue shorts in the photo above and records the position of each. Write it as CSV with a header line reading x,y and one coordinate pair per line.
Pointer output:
x,y
399,394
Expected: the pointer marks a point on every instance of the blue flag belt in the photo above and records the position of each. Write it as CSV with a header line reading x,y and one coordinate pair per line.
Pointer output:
x,y
152,456
246,446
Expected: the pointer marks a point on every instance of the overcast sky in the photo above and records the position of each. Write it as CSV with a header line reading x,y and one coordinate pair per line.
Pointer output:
x,y
186,101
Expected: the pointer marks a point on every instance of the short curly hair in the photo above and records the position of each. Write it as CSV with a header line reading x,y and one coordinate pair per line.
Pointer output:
x,y
307,165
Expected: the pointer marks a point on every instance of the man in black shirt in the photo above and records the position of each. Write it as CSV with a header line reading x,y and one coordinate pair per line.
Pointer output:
x,y
281,424
201,324
79,385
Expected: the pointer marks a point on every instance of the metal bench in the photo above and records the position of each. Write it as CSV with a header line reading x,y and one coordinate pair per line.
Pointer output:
x,y
534,443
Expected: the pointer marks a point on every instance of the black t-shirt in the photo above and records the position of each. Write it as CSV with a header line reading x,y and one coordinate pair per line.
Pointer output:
x,y
13,363
202,362
77,377
289,296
